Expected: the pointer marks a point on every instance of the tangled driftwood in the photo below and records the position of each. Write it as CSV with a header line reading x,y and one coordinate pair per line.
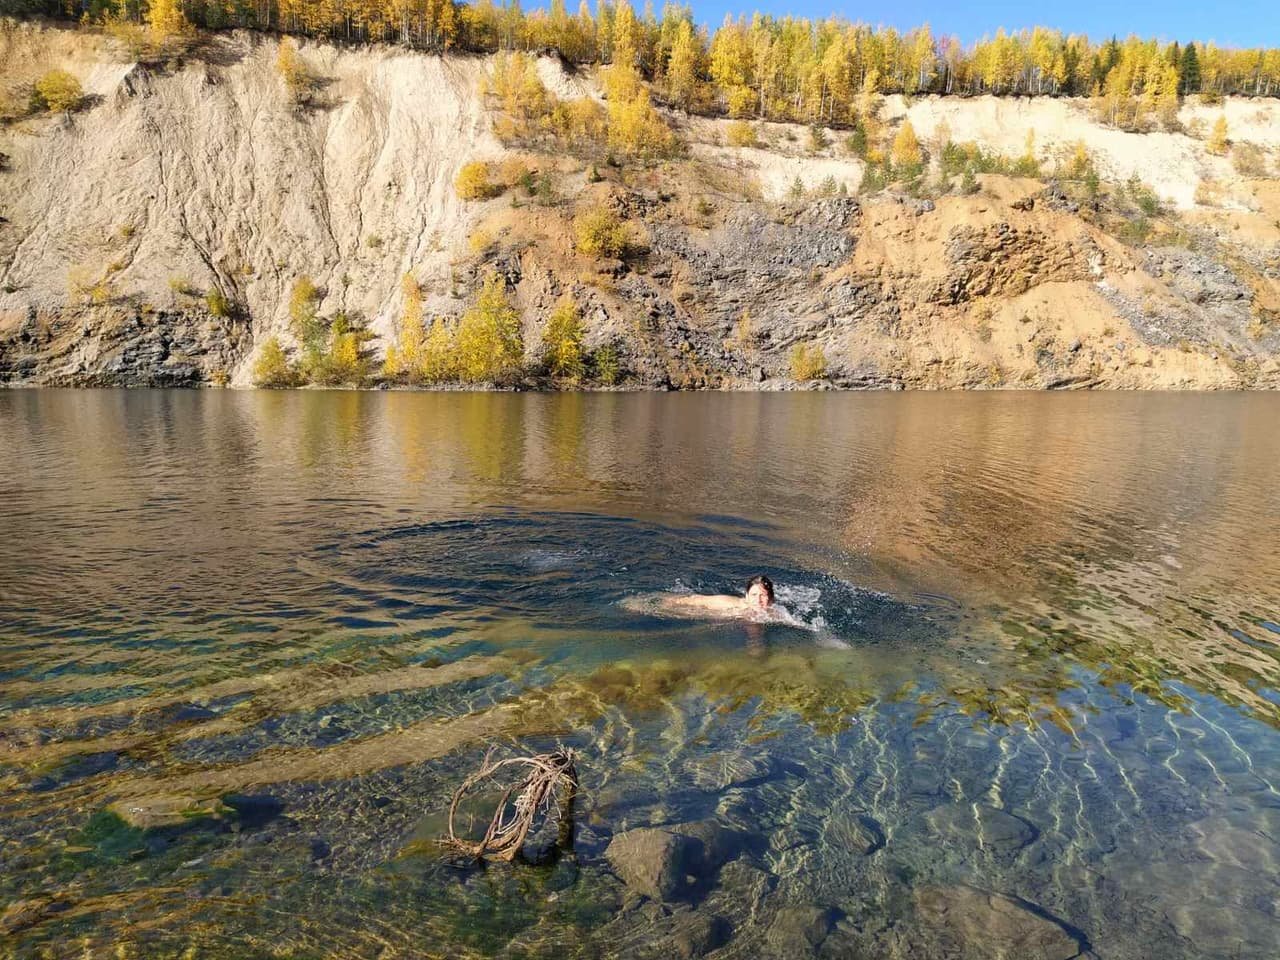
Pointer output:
x,y
546,776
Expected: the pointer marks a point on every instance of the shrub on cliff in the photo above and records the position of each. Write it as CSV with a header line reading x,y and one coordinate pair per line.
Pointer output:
x,y
579,123
598,232
404,357
219,304
562,340
1218,143
1027,165
1249,160
272,368
1079,164
298,79
304,315
58,91
439,362
740,133
345,359
807,362
473,183
857,142
606,363
490,348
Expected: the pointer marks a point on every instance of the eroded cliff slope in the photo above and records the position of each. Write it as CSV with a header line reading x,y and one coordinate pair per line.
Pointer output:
x,y
153,236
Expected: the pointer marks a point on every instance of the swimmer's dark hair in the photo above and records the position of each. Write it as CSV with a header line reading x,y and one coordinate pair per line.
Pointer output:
x,y
764,582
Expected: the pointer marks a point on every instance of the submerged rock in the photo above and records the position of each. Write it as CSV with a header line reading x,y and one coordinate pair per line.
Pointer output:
x,y
1248,849
714,845
797,931
719,772
22,914
254,810
652,862
979,923
665,863
745,883
77,768
858,833
150,813
695,934
187,713
979,825
1225,910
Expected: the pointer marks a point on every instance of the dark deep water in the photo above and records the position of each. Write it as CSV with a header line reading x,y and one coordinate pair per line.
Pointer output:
x,y
1031,709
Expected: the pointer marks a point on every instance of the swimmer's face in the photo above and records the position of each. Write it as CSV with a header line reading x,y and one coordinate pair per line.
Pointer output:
x,y
757,596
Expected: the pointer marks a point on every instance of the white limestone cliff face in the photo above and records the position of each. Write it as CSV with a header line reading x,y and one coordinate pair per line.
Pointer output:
x,y
209,177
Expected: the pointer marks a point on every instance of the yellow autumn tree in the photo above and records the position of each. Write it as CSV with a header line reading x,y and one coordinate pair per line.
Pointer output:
x,y
166,21
598,232
807,362
404,357
473,183
635,127
59,90
1218,143
740,133
297,78
304,314
349,363
523,101
439,362
562,340
682,68
489,344
906,155
272,368
766,67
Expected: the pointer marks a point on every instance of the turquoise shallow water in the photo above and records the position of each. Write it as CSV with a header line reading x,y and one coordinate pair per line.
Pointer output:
x,y
1028,708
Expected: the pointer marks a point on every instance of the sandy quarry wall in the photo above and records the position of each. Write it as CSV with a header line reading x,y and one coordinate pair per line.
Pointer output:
x,y
210,176
1173,164
206,177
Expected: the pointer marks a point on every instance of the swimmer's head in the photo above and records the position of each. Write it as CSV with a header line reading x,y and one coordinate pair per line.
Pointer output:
x,y
759,591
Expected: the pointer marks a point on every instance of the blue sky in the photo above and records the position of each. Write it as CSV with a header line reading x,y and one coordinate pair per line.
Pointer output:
x,y
1229,22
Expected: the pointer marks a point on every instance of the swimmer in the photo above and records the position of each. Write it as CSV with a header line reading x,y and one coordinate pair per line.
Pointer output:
x,y
759,598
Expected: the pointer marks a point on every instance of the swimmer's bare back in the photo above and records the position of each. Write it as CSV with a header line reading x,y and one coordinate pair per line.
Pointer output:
x,y
718,605
691,606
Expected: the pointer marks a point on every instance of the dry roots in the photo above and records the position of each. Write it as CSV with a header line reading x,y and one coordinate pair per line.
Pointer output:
x,y
546,775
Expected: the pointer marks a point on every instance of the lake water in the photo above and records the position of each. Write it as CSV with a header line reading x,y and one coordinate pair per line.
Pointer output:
x,y
1031,707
